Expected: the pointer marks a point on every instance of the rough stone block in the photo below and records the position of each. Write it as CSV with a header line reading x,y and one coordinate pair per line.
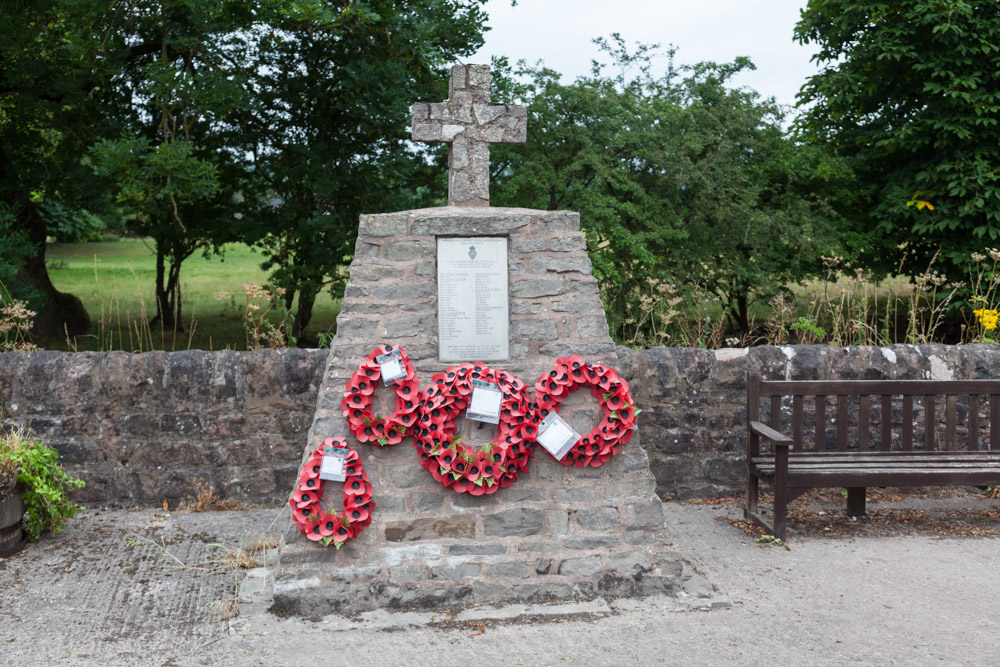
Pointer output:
x,y
524,246
558,521
647,537
574,495
404,251
406,326
534,329
407,573
488,592
538,592
390,556
592,326
576,306
514,523
424,598
522,494
598,518
409,292
356,327
543,565
621,490
464,221
426,502
540,265
595,542
383,224
535,287
511,570
406,475
648,513
581,567
478,549
390,504
568,243
456,572
375,272
537,547
631,561
429,529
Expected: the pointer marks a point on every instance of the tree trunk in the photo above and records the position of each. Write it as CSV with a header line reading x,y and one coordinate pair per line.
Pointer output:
x,y
164,306
307,298
63,314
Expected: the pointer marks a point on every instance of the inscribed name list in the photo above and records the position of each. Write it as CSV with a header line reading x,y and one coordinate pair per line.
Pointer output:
x,y
473,306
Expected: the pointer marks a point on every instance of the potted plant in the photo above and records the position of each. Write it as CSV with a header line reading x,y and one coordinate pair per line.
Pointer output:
x,y
33,491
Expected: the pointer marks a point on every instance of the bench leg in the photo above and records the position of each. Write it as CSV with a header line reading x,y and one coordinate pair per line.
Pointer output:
x,y
780,509
753,493
856,502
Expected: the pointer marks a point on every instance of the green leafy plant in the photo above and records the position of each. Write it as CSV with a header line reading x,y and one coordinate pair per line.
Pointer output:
x,y
36,466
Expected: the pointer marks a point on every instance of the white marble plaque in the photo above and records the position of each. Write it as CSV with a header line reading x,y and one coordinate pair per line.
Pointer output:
x,y
473,303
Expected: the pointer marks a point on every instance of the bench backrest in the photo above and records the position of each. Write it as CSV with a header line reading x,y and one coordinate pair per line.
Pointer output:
x,y
860,408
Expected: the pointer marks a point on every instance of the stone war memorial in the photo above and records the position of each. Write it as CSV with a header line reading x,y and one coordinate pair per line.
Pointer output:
x,y
471,307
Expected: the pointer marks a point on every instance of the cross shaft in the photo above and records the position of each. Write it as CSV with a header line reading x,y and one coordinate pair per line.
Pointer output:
x,y
470,123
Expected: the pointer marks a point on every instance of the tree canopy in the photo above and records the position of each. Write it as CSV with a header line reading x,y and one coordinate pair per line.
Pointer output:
x,y
680,180
910,94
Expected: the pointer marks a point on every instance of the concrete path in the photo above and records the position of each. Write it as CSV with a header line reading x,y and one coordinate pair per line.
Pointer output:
x,y
151,588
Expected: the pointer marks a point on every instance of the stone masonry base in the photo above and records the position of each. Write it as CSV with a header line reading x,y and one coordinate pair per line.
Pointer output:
x,y
558,532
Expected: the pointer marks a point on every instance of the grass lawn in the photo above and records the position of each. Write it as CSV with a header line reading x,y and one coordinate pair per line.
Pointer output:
x,y
115,280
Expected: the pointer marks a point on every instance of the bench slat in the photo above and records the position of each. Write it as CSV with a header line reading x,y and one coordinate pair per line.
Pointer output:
x,y
951,423
885,444
994,421
842,423
932,477
907,423
797,410
864,421
974,422
880,387
930,423
820,423
834,466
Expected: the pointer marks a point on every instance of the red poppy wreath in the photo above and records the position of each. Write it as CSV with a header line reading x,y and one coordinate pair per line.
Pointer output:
x,y
465,469
610,390
327,527
357,402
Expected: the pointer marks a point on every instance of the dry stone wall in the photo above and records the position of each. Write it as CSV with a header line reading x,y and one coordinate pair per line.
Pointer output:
x,y
694,401
141,428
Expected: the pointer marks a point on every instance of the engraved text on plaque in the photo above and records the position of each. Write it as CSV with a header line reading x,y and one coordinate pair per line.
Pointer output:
x,y
473,306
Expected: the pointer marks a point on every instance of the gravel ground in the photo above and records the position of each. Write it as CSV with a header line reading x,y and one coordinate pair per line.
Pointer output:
x,y
903,587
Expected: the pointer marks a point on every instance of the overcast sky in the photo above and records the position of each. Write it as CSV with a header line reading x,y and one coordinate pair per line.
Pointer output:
x,y
559,32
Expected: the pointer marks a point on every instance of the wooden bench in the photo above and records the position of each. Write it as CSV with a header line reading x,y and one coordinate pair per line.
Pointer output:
x,y
867,450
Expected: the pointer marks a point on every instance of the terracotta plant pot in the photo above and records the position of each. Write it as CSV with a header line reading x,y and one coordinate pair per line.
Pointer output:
x,y
13,537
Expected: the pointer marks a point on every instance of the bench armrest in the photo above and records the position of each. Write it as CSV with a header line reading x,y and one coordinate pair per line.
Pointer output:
x,y
765,431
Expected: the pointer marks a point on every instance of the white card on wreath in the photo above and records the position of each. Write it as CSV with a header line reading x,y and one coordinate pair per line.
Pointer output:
x,y
485,403
556,436
332,468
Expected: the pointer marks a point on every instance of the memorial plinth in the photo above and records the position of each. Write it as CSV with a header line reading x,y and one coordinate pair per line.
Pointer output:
x,y
558,532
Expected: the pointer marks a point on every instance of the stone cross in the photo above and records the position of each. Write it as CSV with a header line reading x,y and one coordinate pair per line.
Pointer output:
x,y
470,124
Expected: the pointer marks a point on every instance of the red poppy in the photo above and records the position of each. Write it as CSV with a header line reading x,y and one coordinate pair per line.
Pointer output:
x,y
312,530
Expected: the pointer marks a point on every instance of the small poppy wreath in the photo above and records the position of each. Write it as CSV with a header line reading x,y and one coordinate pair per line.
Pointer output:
x,y
457,466
357,402
610,390
327,527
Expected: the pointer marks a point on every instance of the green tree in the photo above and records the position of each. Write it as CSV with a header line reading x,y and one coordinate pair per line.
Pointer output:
x,y
678,179
330,131
47,79
910,94
182,74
